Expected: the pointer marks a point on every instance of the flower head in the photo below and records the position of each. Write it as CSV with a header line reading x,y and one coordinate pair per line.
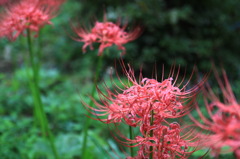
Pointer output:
x,y
168,141
165,99
26,14
148,105
224,122
107,34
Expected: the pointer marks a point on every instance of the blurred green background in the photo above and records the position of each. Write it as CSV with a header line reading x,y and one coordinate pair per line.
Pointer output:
x,y
184,33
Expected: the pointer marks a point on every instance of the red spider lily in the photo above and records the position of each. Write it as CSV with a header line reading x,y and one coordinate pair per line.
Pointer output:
x,y
107,34
165,99
224,122
148,104
26,14
167,142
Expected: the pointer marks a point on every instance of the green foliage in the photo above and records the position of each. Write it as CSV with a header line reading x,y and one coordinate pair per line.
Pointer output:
x,y
20,136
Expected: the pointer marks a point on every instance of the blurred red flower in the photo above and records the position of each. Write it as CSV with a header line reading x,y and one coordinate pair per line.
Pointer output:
x,y
224,122
107,34
26,14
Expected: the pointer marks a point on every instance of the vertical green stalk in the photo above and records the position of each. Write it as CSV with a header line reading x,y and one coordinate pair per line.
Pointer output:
x,y
87,120
151,133
33,80
38,106
131,137
38,54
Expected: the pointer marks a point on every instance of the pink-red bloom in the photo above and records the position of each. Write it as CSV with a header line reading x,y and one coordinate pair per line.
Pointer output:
x,y
224,122
107,34
26,14
138,99
167,142
148,105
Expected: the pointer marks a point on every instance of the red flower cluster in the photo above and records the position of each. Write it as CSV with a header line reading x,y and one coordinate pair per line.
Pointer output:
x,y
106,33
166,142
224,122
147,105
165,99
26,14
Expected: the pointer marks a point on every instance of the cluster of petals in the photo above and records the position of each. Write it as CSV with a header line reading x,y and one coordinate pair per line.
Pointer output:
x,y
135,104
165,143
148,105
107,34
26,14
224,122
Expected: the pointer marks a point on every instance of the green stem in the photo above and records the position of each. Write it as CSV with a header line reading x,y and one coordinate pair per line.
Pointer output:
x,y
87,120
34,84
38,106
131,137
151,134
